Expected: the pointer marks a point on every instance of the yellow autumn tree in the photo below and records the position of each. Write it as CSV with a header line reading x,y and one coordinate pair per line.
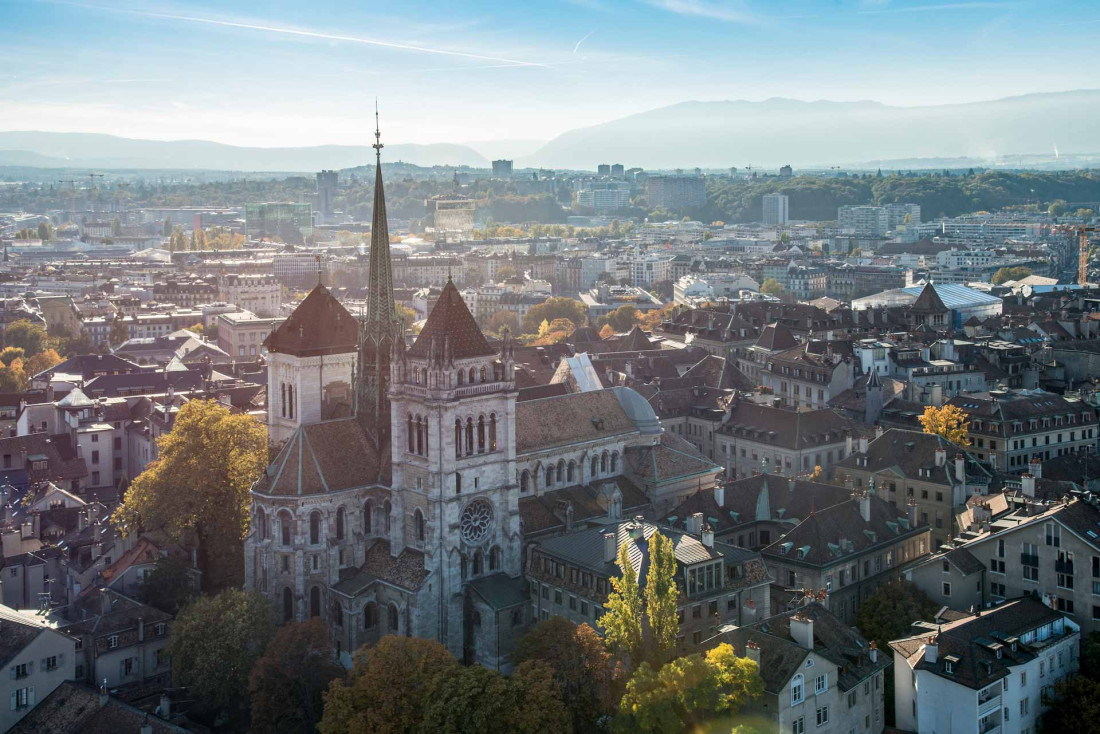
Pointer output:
x,y
199,484
951,422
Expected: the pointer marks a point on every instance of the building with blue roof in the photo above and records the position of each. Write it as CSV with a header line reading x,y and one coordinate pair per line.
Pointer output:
x,y
961,300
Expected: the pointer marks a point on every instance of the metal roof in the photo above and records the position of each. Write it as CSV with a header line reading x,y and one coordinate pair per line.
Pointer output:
x,y
955,296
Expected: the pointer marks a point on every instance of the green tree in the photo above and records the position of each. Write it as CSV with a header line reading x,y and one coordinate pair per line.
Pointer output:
x,y
889,613
10,353
288,683
772,287
950,422
214,644
1077,709
389,688
169,587
501,320
200,483
119,332
661,597
13,378
31,337
622,619
482,701
116,227
1057,208
166,229
505,273
550,309
1004,275
621,319
44,231
583,671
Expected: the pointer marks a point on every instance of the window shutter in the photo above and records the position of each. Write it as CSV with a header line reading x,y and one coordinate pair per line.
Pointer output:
x,y
30,698
13,701
12,671
30,667
61,658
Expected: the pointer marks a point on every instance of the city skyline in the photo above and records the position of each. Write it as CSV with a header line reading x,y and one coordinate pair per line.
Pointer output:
x,y
290,76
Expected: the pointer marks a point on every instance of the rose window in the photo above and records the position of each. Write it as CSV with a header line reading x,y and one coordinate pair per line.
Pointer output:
x,y
476,519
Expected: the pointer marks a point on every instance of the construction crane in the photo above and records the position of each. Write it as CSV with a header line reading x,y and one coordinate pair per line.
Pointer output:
x,y
91,194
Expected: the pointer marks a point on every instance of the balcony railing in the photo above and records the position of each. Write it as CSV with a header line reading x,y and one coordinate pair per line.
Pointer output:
x,y
1065,567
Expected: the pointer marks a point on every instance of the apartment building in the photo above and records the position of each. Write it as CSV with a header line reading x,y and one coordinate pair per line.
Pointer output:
x,y
570,576
776,209
1008,428
802,376
38,660
242,333
865,221
260,294
987,671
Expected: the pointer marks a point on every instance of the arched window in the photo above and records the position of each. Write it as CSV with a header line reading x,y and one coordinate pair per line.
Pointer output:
x,y
595,466
458,482
614,461
471,375
394,618
282,390
315,602
469,436
495,557
463,565
483,374
261,523
477,563
492,431
550,476
481,434
561,470
337,614
370,616
341,516
416,375
524,480
425,452
367,529
461,377
314,528
418,523
797,692
285,530
571,471
409,432
458,437
290,401
616,511
288,604
419,436
603,463
386,508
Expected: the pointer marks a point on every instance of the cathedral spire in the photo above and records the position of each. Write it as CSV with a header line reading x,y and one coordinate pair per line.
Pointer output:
x,y
380,307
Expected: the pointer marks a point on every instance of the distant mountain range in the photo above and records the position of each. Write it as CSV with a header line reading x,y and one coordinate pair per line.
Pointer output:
x,y
93,150
738,133
774,132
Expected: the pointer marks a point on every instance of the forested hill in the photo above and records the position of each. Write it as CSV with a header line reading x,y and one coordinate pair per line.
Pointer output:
x,y
817,198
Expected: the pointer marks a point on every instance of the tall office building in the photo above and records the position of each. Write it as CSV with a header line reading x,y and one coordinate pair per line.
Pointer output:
x,y
604,169
617,170
502,169
676,193
290,221
326,194
866,221
896,215
775,209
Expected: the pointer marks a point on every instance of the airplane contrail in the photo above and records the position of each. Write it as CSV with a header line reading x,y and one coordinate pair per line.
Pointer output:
x,y
583,40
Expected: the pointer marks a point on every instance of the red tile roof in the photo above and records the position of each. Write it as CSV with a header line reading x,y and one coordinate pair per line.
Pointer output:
x,y
319,325
451,319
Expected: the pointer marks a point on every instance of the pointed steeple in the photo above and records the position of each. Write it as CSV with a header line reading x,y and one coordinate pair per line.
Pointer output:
x,y
380,307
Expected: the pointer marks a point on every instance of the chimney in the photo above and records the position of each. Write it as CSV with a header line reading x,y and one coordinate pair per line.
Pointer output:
x,y
141,629
802,630
879,431
164,710
146,727
941,456
865,506
752,652
874,651
97,551
960,470
1027,484
862,445
104,697
931,651
720,495
708,536
1035,466
748,612
610,548
848,445
911,507
695,523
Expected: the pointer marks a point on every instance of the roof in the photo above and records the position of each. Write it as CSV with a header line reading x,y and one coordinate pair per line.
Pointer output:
x,y
776,336
74,708
669,459
406,571
795,429
319,325
451,322
569,419
329,456
965,561
974,641
929,300
906,453
950,296
500,591
16,632
547,511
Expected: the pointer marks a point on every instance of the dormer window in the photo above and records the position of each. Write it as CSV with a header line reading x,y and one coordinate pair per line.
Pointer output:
x,y
948,667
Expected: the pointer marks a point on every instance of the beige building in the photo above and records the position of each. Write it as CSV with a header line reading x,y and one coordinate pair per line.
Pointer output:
x,y
38,659
260,294
241,334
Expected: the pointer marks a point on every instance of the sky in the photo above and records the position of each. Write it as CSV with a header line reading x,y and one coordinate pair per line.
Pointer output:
x,y
308,73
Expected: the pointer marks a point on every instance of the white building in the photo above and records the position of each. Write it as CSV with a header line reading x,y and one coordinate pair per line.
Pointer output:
x,y
993,671
775,209
866,221
38,659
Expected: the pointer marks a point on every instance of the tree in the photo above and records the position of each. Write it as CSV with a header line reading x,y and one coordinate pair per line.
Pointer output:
x,y
550,309
407,315
583,671
389,688
951,422
482,701
1057,208
621,319
1006,274
1090,656
687,691
42,361
116,227
166,228
772,287
661,596
200,482
606,331
288,683
622,619
214,644
119,332
30,336
169,587
890,612
663,289
505,273
13,378
502,320
1077,709
11,353
44,231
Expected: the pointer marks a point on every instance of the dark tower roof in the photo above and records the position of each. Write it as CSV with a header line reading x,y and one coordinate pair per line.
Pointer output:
x,y
929,301
872,379
451,320
776,337
319,325
380,307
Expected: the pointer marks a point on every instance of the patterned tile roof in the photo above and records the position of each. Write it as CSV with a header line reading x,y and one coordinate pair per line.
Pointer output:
x,y
451,320
319,325
326,457
573,418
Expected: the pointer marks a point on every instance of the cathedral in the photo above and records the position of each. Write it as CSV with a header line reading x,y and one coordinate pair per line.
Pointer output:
x,y
402,476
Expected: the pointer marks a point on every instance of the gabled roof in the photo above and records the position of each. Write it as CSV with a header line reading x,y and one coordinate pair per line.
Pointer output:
x,y
929,300
635,340
672,458
775,337
319,325
450,320
329,456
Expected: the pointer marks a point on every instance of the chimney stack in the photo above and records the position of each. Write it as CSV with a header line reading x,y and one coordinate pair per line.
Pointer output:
x,y
862,445
960,468
708,536
802,630
1027,484
720,495
941,456
610,547
1035,466
865,506
931,651
874,651
911,508
695,523
752,652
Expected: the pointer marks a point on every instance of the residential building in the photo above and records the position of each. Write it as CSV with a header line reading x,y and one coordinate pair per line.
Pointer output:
x,y
803,376
260,294
987,671
898,215
79,708
604,195
242,333
676,193
864,221
38,660
775,209
502,168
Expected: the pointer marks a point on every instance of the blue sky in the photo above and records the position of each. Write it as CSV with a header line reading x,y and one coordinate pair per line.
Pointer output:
x,y
306,73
